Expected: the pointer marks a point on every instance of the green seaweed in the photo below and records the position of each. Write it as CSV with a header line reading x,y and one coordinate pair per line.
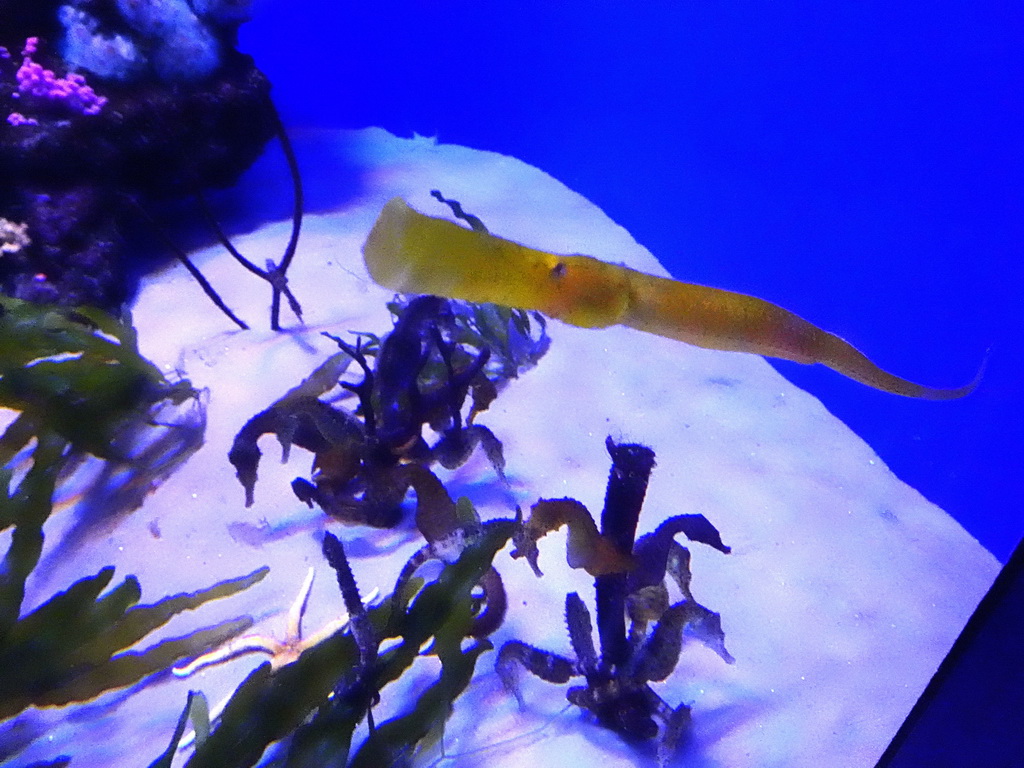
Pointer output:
x,y
448,597
270,704
28,509
399,737
197,711
79,372
80,385
77,379
73,647
321,698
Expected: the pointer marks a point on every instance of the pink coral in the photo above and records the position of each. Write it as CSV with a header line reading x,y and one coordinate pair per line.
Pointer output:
x,y
71,91
16,118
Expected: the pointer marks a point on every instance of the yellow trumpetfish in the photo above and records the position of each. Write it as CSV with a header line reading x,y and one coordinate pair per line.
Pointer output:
x,y
410,252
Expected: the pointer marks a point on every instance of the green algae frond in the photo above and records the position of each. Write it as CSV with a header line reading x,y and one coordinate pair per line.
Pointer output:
x,y
78,385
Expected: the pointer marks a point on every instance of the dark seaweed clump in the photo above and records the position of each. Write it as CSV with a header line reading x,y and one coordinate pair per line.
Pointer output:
x,y
617,689
366,459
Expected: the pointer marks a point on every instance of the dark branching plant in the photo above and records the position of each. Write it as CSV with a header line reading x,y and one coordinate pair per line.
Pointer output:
x,y
78,385
274,274
423,371
617,689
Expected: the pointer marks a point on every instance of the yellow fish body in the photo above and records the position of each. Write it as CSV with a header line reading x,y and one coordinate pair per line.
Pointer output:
x,y
410,252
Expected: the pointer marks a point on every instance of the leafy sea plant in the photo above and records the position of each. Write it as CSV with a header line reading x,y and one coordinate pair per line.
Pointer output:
x,y
314,704
78,644
79,385
76,374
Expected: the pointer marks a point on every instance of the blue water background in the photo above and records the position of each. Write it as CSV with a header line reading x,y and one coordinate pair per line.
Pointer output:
x,y
859,163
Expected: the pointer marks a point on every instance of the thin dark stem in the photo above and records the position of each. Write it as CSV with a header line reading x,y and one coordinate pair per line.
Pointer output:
x,y
273,274
209,290
474,221
364,389
293,241
362,630
192,268
334,551
275,307
222,237
299,200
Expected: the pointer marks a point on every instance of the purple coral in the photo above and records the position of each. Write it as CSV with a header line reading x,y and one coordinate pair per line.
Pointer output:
x,y
72,176
72,92
16,118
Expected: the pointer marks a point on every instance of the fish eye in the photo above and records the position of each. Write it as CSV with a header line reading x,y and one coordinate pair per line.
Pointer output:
x,y
559,270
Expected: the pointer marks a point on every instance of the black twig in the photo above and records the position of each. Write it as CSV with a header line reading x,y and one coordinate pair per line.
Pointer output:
x,y
192,268
274,273
222,237
364,389
293,241
359,621
475,224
